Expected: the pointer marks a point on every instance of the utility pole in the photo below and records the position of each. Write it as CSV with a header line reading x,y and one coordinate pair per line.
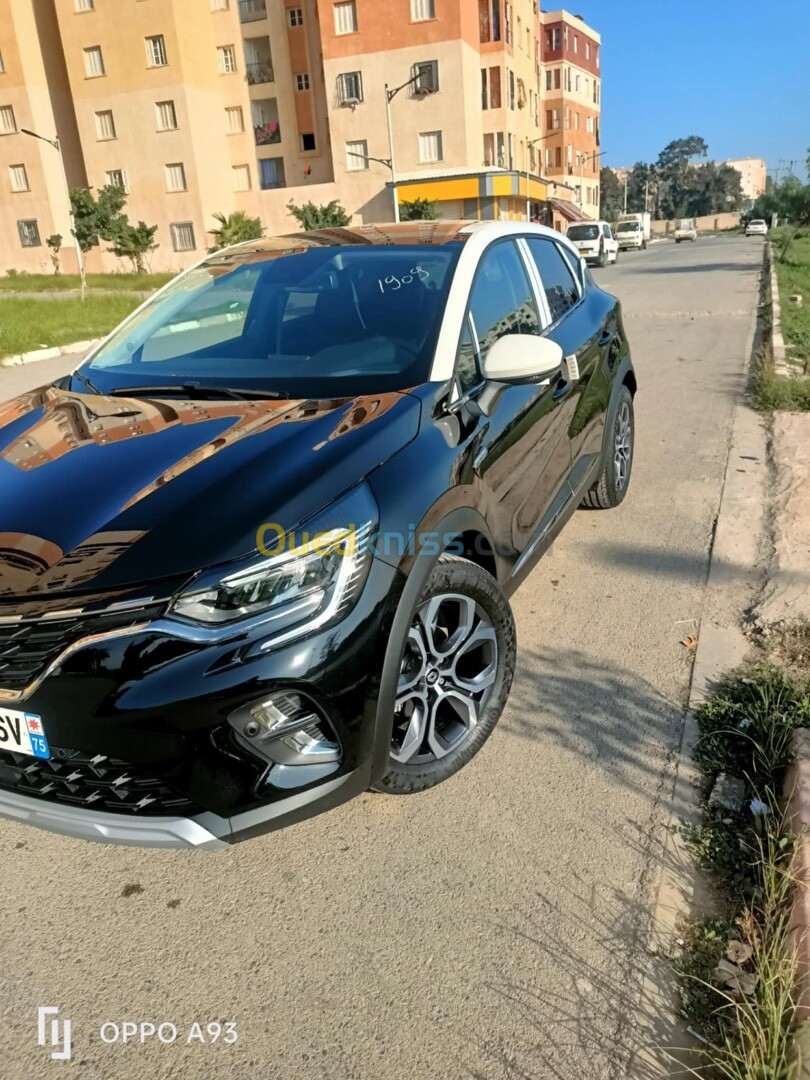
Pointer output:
x,y
625,193
389,97
530,143
54,142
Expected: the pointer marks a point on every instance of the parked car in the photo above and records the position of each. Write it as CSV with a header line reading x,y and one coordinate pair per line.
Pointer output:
x,y
686,230
595,242
634,231
258,547
756,228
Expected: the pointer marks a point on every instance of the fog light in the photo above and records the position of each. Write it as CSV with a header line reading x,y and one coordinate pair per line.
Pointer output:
x,y
286,731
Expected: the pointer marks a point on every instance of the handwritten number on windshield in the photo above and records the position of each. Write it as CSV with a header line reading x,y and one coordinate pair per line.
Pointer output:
x,y
394,283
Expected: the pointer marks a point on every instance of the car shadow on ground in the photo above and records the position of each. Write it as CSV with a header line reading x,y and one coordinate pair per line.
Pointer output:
x,y
702,268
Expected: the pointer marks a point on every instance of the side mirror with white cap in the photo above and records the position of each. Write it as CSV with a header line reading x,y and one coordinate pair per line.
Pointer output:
x,y
522,358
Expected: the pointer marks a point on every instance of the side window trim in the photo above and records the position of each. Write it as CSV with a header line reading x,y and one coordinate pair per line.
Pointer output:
x,y
536,284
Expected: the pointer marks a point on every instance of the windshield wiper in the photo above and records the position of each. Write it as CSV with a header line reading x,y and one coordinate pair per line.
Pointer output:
x,y
197,390
83,378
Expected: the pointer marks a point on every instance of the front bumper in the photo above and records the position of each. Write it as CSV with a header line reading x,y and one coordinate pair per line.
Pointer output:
x,y
148,713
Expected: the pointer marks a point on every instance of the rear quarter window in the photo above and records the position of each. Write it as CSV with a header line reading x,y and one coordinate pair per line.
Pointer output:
x,y
556,275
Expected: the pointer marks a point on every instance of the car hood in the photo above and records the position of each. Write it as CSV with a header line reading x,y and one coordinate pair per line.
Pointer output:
x,y
97,492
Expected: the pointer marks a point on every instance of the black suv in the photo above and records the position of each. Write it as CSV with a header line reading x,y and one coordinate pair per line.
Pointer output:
x,y
256,550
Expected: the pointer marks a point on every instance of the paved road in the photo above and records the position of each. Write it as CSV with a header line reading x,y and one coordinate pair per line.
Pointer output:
x,y
492,928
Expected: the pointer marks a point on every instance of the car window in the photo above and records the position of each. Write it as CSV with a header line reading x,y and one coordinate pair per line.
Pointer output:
x,y
607,232
555,274
501,301
466,362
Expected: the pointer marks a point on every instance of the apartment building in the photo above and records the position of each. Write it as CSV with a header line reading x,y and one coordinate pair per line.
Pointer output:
x,y
202,106
572,92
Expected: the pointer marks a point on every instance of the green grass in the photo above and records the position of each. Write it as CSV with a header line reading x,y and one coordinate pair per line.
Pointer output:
x,y
22,282
793,275
749,1022
768,392
29,324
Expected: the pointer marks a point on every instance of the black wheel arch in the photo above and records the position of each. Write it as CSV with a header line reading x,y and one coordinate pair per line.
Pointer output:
x,y
463,524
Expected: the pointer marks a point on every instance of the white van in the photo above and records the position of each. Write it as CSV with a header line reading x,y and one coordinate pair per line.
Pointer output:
x,y
595,242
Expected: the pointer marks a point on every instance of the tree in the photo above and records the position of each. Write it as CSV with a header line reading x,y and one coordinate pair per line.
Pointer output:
x,y
418,210
98,217
235,229
54,242
309,216
135,242
612,198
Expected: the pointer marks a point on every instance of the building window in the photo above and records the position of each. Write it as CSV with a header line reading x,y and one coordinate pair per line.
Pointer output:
x,y
346,18
241,178
117,178
430,146
576,42
2,65
105,125
8,125
549,157
587,50
93,62
156,51
295,16
183,236
226,59
556,39
302,82
558,157
567,117
511,89
271,173
175,177
597,55
507,22
484,93
220,5
307,141
29,233
19,178
83,5
578,83
357,155
165,115
549,77
350,88
495,88
576,121
426,77
422,10
235,119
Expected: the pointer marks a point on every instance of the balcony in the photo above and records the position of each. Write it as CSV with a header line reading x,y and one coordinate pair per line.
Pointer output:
x,y
252,10
259,71
266,128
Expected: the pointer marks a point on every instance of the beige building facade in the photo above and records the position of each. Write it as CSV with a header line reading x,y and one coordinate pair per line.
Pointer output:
x,y
754,173
197,107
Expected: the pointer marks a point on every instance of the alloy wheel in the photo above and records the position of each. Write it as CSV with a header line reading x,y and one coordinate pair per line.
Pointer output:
x,y
448,670
622,446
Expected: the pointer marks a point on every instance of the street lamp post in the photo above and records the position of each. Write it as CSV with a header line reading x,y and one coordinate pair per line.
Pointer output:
x,y
530,143
590,157
58,148
389,97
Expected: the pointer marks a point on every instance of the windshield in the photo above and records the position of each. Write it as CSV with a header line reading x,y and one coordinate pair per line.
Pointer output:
x,y
627,226
583,232
757,222
302,320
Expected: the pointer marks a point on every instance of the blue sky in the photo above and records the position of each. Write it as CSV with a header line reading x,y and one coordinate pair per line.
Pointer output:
x,y
737,73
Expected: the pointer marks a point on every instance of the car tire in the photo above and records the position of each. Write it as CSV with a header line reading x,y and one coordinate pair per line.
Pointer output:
x,y
444,715
611,487
602,260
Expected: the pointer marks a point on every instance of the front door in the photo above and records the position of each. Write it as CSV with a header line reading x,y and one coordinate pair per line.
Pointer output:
x,y
522,455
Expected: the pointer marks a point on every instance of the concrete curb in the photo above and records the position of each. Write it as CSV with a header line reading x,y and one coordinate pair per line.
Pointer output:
x,y
683,890
778,349
48,354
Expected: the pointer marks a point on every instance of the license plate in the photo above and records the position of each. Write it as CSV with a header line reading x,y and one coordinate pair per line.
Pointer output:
x,y
23,733
584,251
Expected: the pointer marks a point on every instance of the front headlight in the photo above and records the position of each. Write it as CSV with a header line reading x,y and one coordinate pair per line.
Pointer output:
x,y
321,581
